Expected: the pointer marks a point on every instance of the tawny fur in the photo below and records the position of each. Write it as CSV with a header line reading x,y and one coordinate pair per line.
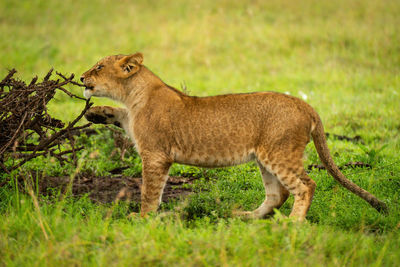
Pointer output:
x,y
169,126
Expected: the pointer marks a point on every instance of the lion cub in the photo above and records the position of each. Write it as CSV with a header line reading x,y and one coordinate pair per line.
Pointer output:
x,y
169,126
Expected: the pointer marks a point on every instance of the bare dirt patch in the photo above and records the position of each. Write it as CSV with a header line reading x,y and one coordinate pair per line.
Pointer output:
x,y
106,189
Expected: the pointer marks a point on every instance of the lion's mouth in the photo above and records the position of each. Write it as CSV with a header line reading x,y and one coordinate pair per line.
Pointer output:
x,y
87,87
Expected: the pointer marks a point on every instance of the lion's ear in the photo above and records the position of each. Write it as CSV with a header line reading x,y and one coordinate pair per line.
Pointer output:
x,y
129,65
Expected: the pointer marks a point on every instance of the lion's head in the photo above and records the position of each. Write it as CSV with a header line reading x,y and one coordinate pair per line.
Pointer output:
x,y
109,76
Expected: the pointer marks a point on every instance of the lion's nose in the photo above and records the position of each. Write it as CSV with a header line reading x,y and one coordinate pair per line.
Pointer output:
x,y
82,78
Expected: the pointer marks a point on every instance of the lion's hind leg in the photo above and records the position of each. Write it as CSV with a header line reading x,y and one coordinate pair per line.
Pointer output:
x,y
275,195
290,173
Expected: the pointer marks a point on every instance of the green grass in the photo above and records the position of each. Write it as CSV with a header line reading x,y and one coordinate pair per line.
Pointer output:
x,y
342,56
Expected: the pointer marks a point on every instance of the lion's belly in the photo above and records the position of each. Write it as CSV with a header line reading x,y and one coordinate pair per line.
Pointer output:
x,y
217,145
213,158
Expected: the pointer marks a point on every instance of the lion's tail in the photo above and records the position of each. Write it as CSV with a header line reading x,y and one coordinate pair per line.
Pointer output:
x,y
319,139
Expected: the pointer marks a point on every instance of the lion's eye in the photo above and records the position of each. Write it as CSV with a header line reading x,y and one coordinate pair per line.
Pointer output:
x,y
99,67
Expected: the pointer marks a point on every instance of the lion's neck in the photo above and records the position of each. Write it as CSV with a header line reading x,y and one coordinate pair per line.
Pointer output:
x,y
139,89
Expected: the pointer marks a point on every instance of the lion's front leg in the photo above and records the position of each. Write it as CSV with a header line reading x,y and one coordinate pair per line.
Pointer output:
x,y
154,177
108,115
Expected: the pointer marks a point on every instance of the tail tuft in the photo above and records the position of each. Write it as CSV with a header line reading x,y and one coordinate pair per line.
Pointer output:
x,y
381,207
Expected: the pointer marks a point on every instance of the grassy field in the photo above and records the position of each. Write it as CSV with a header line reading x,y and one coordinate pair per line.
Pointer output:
x,y
342,57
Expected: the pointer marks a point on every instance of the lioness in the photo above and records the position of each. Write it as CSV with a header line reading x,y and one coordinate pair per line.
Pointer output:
x,y
169,126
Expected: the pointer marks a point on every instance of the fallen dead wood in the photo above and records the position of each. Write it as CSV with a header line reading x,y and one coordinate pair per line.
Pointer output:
x,y
357,164
355,139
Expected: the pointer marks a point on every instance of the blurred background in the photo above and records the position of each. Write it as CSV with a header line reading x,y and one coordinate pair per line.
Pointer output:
x,y
343,57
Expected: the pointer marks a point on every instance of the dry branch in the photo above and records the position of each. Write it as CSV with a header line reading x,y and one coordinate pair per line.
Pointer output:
x,y
26,129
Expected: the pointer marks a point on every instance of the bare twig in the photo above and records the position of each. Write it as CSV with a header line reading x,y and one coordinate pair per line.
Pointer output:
x,y
23,115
